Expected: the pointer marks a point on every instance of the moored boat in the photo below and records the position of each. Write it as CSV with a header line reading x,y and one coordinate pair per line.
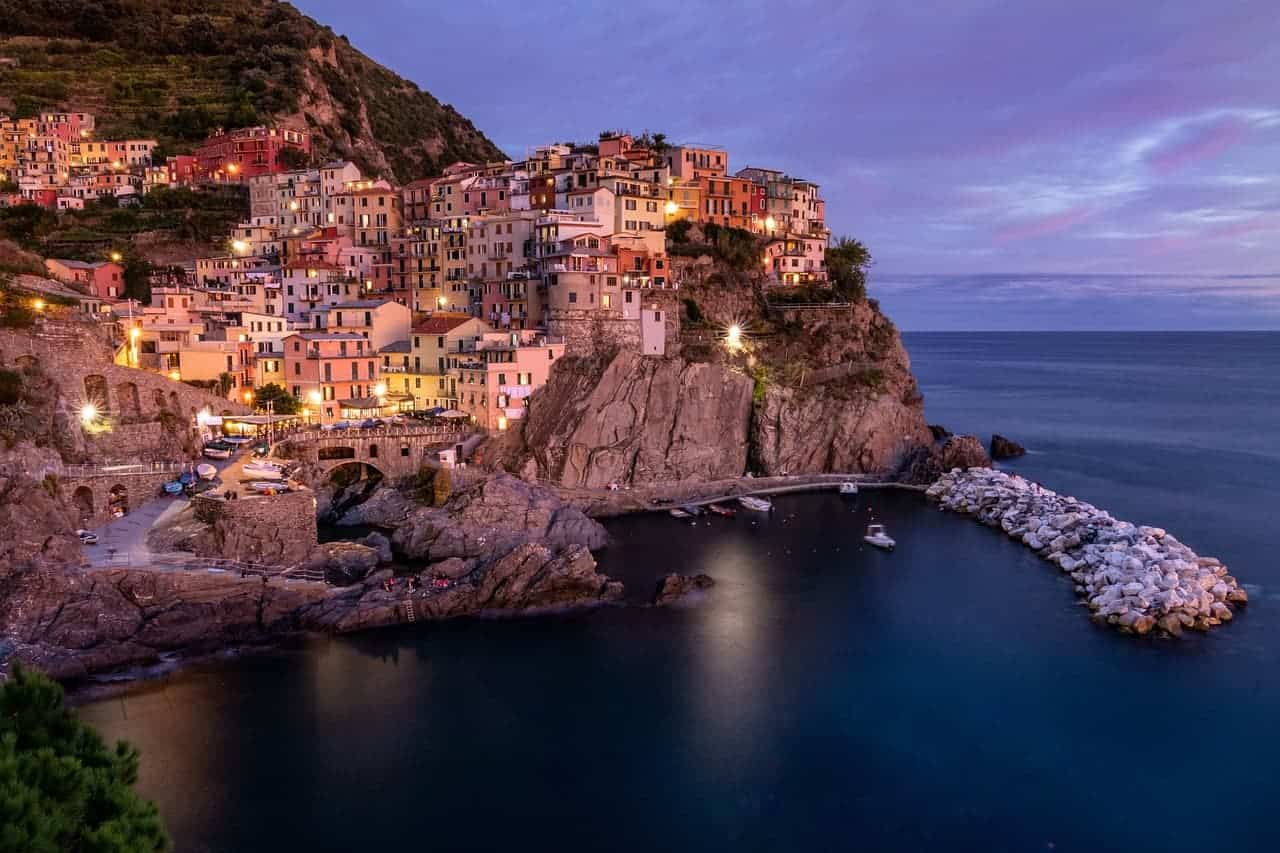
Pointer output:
x,y
218,450
879,537
173,488
205,471
722,511
677,512
848,488
756,504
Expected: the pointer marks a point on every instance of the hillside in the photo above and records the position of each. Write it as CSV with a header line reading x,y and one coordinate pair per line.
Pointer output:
x,y
177,69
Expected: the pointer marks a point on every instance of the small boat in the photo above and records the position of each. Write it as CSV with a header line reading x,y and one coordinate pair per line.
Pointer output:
x,y
677,512
757,504
205,471
187,477
174,488
694,511
268,488
263,473
238,439
722,511
848,488
877,536
218,450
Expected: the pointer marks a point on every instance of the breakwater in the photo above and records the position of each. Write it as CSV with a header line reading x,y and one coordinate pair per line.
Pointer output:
x,y
1136,578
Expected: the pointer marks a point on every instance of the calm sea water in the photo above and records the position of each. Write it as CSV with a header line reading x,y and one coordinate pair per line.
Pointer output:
x,y
950,696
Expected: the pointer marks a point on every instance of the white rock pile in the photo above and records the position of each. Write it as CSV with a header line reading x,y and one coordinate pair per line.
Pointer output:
x,y
1136,578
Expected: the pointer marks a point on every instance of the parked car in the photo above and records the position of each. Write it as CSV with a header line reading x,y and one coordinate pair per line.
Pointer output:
x,y
87,537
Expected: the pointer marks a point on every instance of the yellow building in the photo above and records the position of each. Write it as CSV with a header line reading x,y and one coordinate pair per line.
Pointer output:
x,y
431,344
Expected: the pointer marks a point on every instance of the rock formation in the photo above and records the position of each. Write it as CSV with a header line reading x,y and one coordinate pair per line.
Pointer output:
x,y
1004,448
676,588
927,464
1135,578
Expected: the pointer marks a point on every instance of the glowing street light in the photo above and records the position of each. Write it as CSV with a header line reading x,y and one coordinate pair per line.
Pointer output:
x,y
770,223
116,257
380,390
88,413
734,336
672,208
232,168
248,397
314,397
239,247
175,376
38,304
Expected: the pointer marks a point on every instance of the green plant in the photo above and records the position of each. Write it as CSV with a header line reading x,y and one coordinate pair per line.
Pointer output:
x,y
61,787
847,263
280,400
692,311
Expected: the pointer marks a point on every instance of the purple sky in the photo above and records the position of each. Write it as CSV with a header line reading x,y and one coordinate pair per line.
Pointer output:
x,y
1010,165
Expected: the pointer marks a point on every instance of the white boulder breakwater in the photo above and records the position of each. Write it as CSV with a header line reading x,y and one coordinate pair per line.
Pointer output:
x,y
1135,578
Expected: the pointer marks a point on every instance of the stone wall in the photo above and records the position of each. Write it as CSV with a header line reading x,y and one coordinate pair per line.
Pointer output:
x,y
588,332
90,497
278,530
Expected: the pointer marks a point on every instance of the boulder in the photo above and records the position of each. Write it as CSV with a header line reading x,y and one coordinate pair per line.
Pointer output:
x,y
1003,448
344,563
386,507
939,433
964,451
676,588
379,543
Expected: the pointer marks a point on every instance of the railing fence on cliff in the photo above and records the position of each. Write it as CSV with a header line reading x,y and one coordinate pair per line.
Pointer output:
x,y
193,563
83,472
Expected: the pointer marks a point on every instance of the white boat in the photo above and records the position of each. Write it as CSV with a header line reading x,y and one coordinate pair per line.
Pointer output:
x,y
678,513
270,488
205,471
215,452
757,504
877,536
848,488
263,473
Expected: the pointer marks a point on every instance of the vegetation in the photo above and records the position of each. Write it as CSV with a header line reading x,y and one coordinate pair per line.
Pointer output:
x,y
692,311
847,263
280,401
204,216
735,248
61,787
177,69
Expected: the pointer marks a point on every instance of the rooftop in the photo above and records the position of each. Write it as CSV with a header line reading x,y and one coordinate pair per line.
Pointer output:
x,y
440,325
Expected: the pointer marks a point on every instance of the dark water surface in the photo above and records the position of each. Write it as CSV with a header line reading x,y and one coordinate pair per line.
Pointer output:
x,y
950,696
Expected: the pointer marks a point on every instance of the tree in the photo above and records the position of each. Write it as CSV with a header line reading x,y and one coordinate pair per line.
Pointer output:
x,y
137,278
225,383
282,402
847,263
293,158
61,788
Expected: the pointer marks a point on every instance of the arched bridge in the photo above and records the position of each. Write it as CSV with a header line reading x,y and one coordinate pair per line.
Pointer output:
x,y
397,452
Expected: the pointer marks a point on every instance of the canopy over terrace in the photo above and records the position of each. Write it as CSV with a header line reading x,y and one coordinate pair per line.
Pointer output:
x,y
257,425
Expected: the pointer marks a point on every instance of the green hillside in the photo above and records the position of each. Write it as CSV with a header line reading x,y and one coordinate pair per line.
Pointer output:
x,y
177,69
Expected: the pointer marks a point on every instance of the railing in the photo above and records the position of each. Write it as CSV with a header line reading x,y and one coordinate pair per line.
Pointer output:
x,y
353,433
74,472
194,563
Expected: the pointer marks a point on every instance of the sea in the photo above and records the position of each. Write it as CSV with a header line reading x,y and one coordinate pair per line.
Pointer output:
x,y
951,695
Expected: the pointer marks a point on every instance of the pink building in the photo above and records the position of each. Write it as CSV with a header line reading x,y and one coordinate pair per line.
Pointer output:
x,y
497,373
103,279
334,374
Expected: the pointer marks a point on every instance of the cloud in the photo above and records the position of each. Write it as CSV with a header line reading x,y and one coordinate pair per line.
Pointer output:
x,y
1043,226
1198,143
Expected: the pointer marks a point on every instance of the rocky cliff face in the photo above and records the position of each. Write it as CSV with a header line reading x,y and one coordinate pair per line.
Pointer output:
x,y
808,392
640,420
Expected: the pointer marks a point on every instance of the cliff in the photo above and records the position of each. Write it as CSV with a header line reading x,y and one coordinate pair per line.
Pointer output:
x,y
809,389
178,70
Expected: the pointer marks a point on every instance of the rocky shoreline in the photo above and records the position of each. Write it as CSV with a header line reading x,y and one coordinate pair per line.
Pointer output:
x,y
1138,579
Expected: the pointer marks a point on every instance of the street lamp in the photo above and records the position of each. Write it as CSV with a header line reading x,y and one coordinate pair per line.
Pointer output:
x,y
733,338
248,397
239,247
380,390
88,413
38,304
672,208
770,223
117,257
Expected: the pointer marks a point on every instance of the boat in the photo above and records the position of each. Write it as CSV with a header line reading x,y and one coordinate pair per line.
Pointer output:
x,y
677,512
848,488
237,439
877,536
757,504
187,477
174,488
722,511
205,471
219,450
694,510
268,488
253,473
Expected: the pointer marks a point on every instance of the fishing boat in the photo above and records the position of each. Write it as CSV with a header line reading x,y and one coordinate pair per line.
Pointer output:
x,y
694,510
677,512
877,536
722,511
173,488
756,504
187,477
238,439
848,488
205,471
263,473
268,488
219,450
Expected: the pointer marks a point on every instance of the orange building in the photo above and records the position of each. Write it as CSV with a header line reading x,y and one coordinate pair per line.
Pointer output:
x,y
334,374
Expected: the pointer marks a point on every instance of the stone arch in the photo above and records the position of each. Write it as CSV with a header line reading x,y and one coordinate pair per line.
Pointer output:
x,y
157,397
373,451
82,498
95,391
327,454
353,471
118,500
175,405
127,403
27,363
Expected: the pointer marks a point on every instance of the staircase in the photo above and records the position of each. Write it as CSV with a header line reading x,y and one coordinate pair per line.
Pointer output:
x,y
409,614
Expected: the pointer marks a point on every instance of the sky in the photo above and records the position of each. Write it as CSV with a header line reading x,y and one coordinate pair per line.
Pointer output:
x,y
1011,165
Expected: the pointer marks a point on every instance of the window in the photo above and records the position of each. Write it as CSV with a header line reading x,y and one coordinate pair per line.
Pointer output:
x,y
573,297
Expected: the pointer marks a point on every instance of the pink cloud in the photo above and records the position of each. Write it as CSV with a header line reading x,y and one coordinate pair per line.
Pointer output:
x,y
1202,144
1256,225
1044,225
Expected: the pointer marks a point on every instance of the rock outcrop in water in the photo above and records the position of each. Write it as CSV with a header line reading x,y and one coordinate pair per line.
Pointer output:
x,y
1005,448
1135,578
